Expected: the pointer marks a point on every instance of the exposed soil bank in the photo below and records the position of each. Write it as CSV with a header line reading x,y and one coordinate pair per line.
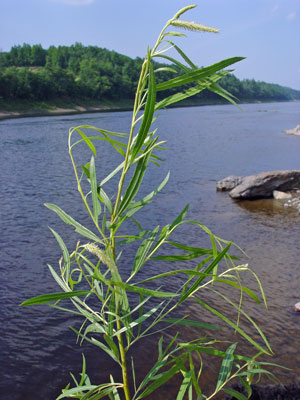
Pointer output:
x,y
27,109
23,109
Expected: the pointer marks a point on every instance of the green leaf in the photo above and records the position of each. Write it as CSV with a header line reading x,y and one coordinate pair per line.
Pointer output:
x,y
233,325
96,204
147,199
243,288
226,366
235,394
144,291
184,56
164,377
207,271
188,322
105,199
76,390
98,344
132,238
86,140
148,114
139,320
197,74
65,254
208,83
143,251
134,184
183,257
70,221
54,297
184,385
83,372
174,61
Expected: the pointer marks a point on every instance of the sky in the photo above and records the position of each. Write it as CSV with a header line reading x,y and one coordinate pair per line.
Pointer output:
x,y
266,32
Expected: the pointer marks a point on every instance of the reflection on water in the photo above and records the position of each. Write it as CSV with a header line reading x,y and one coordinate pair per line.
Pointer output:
x,y
205,145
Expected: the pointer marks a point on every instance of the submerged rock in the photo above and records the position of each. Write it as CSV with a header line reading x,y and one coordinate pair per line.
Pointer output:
x,y
281,195
229,183
262,185
295,131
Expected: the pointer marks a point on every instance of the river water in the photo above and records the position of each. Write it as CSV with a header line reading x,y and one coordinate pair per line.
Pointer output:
x,y
205,145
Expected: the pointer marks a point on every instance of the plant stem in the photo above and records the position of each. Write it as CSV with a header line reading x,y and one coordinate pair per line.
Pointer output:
x,y
123,362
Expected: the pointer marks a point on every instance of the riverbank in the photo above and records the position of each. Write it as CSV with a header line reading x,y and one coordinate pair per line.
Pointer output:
x,y
25,108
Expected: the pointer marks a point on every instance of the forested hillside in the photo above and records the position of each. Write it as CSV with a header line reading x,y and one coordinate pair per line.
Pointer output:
x,y
78,72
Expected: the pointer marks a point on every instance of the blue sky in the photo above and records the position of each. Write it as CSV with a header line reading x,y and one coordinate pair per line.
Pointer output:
x,y
267,32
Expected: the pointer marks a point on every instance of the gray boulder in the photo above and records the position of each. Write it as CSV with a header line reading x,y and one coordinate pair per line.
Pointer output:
x,y
229,183
262,185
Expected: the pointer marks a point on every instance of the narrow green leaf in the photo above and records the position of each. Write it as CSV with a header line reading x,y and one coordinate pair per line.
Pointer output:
x,y
234,326
143,251
208,270
188,322
87,140
139,320
112,346
246,386
134,184
197,74
183,257
167,69
184,56
165,377
132,238
207,83
184,385
70,221
144,291
240,310
53,297
76,390
112,174
243,288
83,372
105,199
181,66
65,254
235,394
173,33
148,114
226,366
98,344
96,204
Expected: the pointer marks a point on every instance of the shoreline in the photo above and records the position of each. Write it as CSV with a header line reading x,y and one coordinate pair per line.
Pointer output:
x,y
4,115
88,109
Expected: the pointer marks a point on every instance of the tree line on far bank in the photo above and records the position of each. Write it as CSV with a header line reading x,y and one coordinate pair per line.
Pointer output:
x,y
80,72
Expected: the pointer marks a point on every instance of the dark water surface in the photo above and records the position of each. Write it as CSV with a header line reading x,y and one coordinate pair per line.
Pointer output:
x,y
37,350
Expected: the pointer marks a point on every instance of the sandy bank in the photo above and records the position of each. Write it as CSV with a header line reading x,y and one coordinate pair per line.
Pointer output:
x,y
60,111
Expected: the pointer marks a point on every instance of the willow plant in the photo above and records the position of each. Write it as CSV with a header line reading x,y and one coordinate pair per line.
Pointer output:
x,y
113,320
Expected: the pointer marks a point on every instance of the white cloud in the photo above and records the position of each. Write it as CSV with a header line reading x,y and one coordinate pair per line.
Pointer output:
x,y
291,16
75,2
275,8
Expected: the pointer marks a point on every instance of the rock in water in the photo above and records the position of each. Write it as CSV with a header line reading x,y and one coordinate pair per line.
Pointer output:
x,y
295,131
229,183
281,195
262,185
297,307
